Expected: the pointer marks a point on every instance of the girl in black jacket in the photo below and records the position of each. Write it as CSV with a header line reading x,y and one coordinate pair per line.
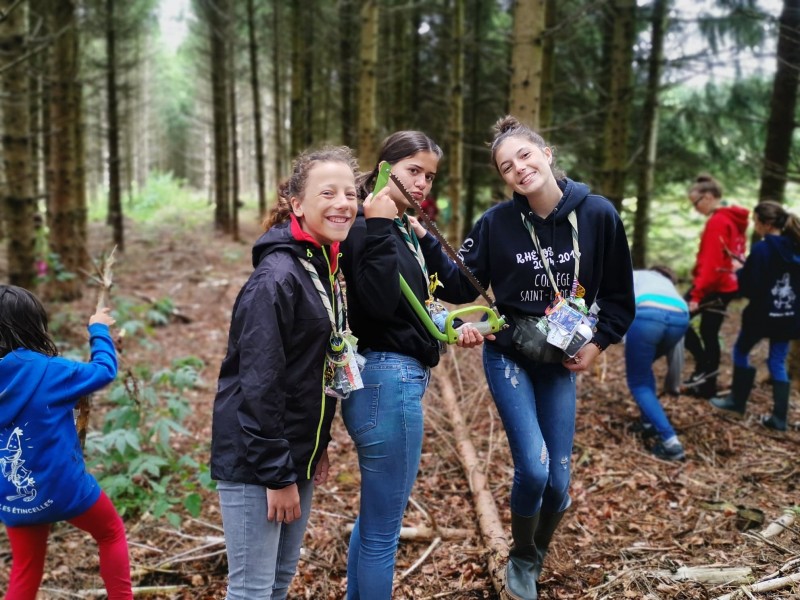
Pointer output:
x,y
272,417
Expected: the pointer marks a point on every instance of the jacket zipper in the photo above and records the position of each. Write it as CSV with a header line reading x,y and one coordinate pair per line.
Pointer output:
x,y
324,399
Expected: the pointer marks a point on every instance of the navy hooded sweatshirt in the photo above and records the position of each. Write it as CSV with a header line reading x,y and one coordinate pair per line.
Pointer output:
x,y
500,252
770,280
272,418
43,478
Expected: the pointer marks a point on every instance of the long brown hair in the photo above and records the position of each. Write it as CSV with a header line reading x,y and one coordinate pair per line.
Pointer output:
x,y
399,145
773,214
295,184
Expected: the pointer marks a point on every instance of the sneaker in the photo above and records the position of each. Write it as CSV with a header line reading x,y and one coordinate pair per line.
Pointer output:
x,y
645,430
770,422
697,379
668,452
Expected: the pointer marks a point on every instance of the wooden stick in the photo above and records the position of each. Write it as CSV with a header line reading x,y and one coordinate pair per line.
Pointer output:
x,y
764,586
105,279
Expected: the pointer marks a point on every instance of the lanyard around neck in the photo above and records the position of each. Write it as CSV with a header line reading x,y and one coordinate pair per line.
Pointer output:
x,y
573,221
336,313
412,242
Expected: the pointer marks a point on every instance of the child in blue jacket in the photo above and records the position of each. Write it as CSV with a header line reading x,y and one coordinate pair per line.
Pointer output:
x,y
43,478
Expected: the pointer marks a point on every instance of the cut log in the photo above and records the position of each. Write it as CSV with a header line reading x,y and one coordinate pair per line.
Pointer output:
x,y
491,526
711,575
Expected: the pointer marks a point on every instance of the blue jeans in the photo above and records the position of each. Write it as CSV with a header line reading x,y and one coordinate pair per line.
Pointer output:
x,y
536,403
385,421
653,334
262,554
776,361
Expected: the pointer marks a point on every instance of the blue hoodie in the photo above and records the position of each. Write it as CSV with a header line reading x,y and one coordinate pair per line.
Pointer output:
x,y
499,251
770,280
43,478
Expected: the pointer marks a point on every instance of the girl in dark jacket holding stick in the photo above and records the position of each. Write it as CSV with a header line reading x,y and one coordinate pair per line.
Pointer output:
x,y
532,249
770,280
385,418
272,412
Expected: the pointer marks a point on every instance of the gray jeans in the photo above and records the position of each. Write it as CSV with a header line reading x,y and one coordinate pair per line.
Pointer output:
x,y
262,554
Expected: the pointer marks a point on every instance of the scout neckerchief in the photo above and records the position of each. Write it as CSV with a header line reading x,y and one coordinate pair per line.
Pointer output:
x,y
437,310
341,369
577,290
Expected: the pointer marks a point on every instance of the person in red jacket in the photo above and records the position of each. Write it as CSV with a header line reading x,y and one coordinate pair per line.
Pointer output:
x,y
714,285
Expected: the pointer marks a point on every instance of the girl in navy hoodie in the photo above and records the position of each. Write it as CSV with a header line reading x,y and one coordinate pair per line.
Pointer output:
x,y
770,280
43,478
552,239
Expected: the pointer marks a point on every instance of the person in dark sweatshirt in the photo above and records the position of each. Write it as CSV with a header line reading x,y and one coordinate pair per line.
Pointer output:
x,y
713,280
273,410
43,477
385,418
770,280
527,248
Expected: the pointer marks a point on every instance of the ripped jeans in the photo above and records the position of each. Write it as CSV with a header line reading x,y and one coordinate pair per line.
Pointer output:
x,y
536,403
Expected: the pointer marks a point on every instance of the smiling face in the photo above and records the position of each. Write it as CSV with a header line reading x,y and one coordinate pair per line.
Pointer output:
x,y
525,167
328,205
417,173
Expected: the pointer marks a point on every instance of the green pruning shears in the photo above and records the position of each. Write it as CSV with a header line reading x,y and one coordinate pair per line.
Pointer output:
x,y
494,322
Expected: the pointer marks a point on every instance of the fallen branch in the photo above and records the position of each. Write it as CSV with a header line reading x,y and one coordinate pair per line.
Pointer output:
x,y
764,586
778,526
420,560
488,518
422,533
712,575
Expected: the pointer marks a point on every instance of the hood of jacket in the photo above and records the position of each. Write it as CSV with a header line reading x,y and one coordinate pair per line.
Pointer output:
x,y
289,236
574,193
736,215
784,247
21,372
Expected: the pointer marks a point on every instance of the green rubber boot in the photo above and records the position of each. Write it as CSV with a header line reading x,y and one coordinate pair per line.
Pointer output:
x,y
743,378
780,407
522,570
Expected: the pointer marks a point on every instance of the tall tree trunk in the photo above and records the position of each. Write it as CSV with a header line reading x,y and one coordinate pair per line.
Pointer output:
x,y
622,20
456,137
234,126
217,17
780,127
20,205
416,43
67,200
548,67
647,164
474,132
114,187
347,48
526,60
368,64
259,139
277,91
298,121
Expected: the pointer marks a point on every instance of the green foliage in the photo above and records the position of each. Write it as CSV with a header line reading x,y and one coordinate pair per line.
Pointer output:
x,y
136,456
163,199
141,317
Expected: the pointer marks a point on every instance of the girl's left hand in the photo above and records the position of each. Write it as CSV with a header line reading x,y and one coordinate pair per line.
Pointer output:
x,y
321,472
583,359
469,337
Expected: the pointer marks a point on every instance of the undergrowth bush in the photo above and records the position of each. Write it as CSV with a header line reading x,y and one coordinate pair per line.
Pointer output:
x,y
136,457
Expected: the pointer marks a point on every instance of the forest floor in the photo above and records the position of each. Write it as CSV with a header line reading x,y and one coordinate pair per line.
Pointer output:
x,y
634,520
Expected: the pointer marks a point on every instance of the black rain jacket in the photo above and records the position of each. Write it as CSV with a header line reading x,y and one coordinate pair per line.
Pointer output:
x,y
272,418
